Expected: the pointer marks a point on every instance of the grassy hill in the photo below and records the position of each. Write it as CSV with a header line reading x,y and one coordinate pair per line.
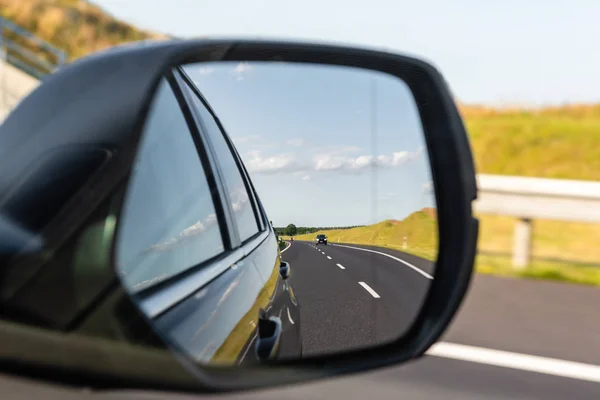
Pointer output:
x,y
557,142
419,228
553,142
75,26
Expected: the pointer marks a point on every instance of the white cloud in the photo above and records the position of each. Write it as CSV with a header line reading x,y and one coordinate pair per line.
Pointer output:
x,y
204,70
306,178
256,163
239,198
427,187
291,163
241,69
195,229
346,150
329,162
211,219
245,139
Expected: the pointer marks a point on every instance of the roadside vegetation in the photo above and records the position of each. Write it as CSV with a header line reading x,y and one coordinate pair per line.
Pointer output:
x,y
556,142
77,27
419,229
561,251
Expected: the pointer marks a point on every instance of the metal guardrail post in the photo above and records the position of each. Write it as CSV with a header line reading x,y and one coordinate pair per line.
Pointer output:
x,y
528,199
25,59
522,243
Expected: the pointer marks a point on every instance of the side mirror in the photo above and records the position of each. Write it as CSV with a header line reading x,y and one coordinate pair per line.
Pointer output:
x,y
162,164
284,270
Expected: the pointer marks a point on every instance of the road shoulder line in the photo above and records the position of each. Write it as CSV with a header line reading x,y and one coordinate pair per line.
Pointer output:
x,y
288,246
420,271
524,362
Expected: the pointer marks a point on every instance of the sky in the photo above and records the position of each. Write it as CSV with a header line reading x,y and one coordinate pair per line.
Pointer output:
x,y
503,53
509,52
324,145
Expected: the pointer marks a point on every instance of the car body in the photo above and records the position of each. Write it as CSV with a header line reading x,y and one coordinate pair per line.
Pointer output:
x,y
247,280
321,239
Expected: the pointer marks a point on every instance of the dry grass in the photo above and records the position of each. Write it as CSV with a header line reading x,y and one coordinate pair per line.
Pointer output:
x,y
419,228
75,26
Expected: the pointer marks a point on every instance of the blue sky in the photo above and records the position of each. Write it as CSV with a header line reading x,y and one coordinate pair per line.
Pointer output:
x,y
494,52
509,52
306,135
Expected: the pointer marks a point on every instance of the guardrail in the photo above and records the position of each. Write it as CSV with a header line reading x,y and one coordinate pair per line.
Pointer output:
x,y
536,198
16,44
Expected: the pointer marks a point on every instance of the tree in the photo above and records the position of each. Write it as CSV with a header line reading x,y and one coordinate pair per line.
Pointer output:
x,y
290,230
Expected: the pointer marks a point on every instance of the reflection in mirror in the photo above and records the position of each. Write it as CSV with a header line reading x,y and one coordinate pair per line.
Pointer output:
x,y
278,211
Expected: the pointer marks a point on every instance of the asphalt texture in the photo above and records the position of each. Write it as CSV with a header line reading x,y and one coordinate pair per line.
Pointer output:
x,y
337,312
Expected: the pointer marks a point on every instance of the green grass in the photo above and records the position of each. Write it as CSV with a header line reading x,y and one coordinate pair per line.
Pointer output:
x,y
538,269
420,229
560,142
561,251
78,27
565,241
565,251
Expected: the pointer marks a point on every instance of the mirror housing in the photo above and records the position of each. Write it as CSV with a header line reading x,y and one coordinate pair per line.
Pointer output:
x,y
285,270
104,100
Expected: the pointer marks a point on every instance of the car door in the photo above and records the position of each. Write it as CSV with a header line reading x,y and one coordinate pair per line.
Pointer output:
x,y
191,235
276,300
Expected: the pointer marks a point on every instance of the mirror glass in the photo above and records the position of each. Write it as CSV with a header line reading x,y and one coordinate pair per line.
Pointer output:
x,y
279,210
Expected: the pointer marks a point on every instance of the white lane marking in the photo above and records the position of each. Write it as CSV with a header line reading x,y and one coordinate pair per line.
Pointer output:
x,y
368,289
329,257
341,266
524,362
288,246
248,348
425,274
289,316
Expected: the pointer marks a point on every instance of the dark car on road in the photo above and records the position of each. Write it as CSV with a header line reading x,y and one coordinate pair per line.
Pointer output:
x,y
321,239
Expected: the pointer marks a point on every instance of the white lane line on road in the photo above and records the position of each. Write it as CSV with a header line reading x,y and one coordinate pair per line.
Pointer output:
x,y
289,316
329,257
288,246
341,266
524,362
368,289
425,274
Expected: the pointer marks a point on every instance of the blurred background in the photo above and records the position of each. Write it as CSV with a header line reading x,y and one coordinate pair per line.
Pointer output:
x,y
525,78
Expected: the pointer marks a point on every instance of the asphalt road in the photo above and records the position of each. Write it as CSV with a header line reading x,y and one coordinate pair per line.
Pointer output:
x,y
553,320
350,298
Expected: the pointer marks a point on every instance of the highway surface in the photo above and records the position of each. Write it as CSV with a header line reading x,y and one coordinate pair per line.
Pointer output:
x,y
355,296
520,318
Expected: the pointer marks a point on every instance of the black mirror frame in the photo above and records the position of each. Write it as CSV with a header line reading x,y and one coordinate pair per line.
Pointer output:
x,y
135,72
